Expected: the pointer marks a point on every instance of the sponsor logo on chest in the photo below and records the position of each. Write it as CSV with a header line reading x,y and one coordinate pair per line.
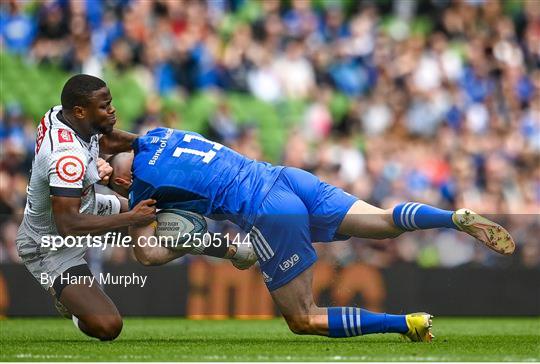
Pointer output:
x,y
65,136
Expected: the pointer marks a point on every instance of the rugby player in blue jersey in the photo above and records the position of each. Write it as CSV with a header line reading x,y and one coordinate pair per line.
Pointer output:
x,y
284,210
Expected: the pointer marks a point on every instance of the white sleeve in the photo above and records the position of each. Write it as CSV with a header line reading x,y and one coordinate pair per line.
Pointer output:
x,y
67,165
106,205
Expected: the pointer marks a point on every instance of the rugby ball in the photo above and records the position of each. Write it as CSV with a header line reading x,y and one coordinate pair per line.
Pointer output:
x,y
176,227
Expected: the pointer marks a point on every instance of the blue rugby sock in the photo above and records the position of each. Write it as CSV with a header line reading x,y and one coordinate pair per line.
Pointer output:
x,y
352,321
417,216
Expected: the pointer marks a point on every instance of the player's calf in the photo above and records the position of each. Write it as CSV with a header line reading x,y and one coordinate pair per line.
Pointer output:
x,y
409,216
354,321
308,320
366,221
310,324
295,301
301,325
342,322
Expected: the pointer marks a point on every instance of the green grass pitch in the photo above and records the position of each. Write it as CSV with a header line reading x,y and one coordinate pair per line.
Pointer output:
x,y
174,339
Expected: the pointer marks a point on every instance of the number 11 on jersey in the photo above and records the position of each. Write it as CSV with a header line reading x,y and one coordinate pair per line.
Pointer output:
x,y
207,156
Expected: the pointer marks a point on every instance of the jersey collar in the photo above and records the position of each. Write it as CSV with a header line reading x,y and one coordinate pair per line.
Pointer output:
x,y
63,120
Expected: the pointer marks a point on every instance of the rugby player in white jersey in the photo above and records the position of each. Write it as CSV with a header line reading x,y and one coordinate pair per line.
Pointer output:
x,y
62,200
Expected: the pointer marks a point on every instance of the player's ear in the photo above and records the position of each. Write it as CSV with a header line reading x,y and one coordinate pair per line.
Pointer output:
x,y
122,182
79,112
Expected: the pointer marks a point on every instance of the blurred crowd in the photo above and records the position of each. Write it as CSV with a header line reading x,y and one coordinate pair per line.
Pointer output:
x,y
443,99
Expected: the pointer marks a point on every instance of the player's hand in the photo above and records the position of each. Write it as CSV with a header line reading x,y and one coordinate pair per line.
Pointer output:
x,y
143,213
105,171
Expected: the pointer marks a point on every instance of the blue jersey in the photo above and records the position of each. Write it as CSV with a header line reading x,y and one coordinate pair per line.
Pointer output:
x,y
183,170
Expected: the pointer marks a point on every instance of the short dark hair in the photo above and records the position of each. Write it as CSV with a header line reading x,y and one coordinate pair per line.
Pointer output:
x,y
78,89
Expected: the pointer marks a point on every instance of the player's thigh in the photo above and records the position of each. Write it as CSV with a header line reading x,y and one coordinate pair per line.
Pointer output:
x,y
367,221
93,307
327,205
79,291
84,299
281,238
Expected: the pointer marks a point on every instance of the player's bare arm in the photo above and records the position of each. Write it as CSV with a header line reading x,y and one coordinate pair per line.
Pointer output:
x,y
69,221
157,255
116,141
151,255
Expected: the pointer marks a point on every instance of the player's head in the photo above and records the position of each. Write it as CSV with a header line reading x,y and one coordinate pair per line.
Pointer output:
x,y
87,99
120,180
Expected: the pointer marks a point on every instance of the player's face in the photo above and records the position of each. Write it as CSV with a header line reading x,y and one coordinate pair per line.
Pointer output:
x,y
100,112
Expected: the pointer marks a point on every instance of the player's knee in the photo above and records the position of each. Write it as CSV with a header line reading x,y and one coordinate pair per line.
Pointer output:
x,y
111,329
107,328
301,325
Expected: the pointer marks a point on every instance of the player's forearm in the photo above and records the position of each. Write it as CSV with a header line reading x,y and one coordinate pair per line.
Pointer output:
x,y
83,224
124,203
116,142
151,255
154,255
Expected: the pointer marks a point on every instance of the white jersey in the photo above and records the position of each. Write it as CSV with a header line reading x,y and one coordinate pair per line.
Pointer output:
x,y
64,165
